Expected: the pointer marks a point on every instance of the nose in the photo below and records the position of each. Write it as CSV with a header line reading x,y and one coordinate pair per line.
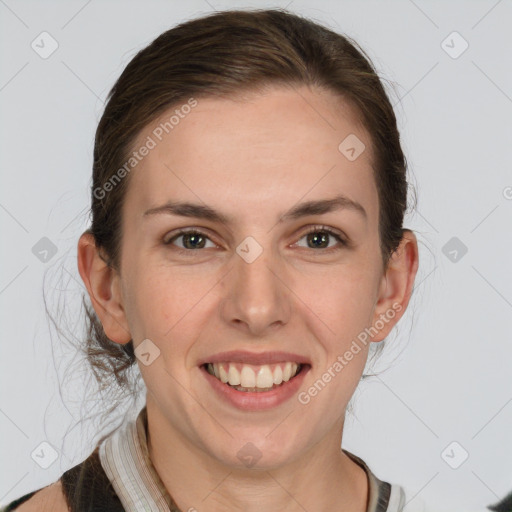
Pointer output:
x,y
257,298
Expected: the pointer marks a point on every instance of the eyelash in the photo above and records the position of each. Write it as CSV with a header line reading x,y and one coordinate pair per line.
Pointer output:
x,y
314,229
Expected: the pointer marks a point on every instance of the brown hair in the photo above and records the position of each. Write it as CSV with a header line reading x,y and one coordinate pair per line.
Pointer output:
x,y
223,54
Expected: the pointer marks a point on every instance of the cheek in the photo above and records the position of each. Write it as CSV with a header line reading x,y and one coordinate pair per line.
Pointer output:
x,y
157,304
342,298
148,307
163,298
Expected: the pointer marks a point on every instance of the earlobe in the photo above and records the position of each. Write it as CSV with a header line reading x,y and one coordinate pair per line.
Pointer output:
x,y
102,283
396,285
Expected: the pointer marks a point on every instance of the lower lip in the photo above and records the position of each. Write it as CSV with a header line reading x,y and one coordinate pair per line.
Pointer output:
x,y
257,401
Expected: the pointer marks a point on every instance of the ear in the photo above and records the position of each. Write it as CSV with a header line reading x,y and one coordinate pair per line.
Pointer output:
x,y
396,285
103,284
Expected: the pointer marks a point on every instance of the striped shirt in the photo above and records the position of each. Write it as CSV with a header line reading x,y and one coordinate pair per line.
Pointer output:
x,y
125,459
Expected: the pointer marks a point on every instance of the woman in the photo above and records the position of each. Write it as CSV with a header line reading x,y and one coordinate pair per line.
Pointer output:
x,y
246,250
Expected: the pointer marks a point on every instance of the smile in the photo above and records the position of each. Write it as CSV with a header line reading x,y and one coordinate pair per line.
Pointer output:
x,y
253,378
254,387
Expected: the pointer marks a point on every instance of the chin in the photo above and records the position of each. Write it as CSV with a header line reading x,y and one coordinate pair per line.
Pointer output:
x,y
255,452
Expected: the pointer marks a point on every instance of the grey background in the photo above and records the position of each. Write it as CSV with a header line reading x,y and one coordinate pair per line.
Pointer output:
x,y
449,377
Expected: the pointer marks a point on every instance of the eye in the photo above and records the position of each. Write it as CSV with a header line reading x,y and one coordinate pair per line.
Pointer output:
x,y
318,236
192,240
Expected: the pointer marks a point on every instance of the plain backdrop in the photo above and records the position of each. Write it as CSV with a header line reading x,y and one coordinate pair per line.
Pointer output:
x,y
439,420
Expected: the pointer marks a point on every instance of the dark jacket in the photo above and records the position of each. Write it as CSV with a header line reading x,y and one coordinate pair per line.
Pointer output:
x,y
86,488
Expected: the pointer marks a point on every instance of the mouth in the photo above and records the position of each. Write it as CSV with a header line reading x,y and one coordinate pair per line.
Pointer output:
x,y
254,381
248,378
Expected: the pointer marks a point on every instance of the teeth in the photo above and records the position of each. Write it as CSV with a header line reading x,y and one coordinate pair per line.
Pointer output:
x,y
278,375
247,377
265,379
287,372
223,374
233,375
252,377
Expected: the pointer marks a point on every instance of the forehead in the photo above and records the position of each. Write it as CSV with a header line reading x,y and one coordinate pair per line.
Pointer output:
x,y
258,153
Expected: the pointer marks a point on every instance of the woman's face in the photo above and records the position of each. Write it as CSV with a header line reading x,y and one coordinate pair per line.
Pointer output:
x,y
255,282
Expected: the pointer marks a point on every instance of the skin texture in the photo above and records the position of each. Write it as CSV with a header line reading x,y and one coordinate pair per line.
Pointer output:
x,y
252,158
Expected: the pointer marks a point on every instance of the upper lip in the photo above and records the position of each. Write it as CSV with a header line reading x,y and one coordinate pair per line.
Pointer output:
x,y
256,358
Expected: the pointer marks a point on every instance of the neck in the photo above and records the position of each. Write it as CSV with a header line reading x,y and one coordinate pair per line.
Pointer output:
x,y
322,479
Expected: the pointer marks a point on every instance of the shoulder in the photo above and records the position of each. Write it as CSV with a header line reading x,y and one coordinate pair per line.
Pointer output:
x,y
48,499
83,487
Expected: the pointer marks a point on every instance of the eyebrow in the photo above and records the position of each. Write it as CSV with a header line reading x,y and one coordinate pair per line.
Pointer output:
x,y
317,207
